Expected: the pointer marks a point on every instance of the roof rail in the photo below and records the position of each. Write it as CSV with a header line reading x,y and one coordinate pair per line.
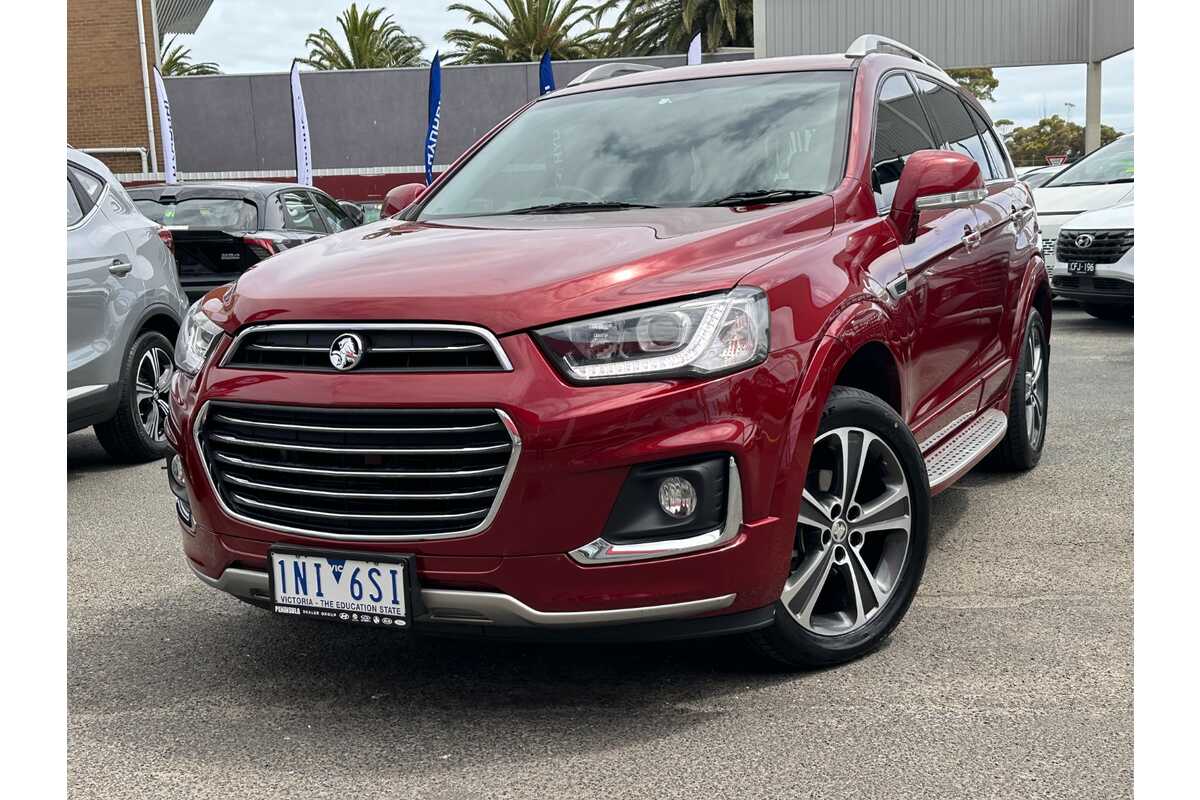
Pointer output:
x,y
874,43
603,72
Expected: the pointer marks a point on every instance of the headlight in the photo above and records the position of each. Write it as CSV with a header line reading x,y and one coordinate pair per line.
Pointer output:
x,y
705,336
196,339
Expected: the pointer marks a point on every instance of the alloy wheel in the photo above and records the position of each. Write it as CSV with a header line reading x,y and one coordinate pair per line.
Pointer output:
x,y
152,387
1035,387
853,533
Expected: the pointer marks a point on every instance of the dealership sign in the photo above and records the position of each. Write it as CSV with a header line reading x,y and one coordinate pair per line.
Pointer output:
x,y
300,125
168,133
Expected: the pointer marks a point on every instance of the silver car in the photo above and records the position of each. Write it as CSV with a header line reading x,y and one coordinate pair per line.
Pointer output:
x,y
124,305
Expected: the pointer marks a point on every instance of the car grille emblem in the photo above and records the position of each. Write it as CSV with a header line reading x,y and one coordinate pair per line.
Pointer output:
x,y
346,351
1084,240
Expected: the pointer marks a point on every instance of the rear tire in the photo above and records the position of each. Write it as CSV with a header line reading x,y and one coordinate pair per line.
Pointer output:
x,y
136,433
1028,403
1109,313
860,543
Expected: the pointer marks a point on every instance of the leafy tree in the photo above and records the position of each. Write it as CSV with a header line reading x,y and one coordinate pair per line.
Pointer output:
x,y
371,43
654,27
521,30
979,81
1052,136
175,59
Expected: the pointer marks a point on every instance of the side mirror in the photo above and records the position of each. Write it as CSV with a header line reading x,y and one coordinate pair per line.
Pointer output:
x,y
400,198
934,180
354,211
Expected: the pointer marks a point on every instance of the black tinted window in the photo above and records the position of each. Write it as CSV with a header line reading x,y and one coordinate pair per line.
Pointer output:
x,y
901,129
954,124
299,213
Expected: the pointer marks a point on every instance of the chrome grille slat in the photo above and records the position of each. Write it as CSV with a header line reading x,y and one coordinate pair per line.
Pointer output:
x,y
343,473
353,429
387,347
476,493
373,451
309,512
366,474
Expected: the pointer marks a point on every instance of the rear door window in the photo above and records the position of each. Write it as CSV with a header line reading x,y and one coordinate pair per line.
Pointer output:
x,y
955,128
901,129
300,213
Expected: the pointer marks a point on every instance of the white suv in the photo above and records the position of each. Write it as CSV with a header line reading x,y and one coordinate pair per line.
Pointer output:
x,y
1095,262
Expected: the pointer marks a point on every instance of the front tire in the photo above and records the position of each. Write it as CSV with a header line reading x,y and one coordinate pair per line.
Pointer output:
x,y
137,432
861,537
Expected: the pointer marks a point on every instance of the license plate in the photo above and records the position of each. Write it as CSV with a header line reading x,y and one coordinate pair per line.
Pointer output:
x,y
340,587
1081,268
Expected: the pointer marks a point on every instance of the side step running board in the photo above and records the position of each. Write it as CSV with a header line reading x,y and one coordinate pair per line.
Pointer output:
x,y
965,449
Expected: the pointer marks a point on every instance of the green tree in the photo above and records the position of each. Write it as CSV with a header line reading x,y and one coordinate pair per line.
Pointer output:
x,y
175,59
1052,136
371,43
521,30
979,81
655,27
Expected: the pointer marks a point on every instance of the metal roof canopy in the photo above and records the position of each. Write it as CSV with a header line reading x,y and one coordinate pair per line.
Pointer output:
x,y
180,16
954,33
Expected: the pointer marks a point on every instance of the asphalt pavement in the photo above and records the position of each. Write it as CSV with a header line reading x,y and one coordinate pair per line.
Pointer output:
x,y
1011,676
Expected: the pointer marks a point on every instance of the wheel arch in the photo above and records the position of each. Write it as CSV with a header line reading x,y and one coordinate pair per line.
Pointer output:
x,y
160,319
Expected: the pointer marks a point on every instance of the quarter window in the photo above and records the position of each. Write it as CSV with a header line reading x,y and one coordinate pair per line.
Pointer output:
x,y
92,185
74,210
299,213
901,129
954,124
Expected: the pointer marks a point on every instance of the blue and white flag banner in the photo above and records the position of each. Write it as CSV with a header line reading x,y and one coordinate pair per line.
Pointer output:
x,y
304,175
694,51
435,115
546,75
165,129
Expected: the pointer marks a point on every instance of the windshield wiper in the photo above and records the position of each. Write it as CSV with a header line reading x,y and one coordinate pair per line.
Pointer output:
x,y
763,196
569,207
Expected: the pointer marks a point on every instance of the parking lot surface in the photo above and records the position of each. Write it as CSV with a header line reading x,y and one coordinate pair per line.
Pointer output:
x,y
1011,676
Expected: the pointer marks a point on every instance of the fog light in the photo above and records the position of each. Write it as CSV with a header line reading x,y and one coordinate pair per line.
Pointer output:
x,y
677,496
177,473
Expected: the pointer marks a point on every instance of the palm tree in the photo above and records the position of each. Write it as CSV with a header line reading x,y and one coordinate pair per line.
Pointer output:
x,y
524,29
371,43
175,59
652,27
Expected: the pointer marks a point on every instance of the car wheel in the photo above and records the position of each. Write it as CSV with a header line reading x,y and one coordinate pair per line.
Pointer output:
x,y
1028,403
137,432
861,537
1111,313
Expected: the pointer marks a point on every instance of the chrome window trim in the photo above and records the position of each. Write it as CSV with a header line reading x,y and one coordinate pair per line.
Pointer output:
x,y
602,551
483,333
482,525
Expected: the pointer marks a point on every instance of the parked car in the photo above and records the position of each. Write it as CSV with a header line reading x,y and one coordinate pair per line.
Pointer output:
x,y
695,371
124,305
223,229
1101,179
1095,262
1037,176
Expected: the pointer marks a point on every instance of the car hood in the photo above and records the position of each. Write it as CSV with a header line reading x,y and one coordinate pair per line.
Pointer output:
x,y
516,272
1077,199
1114,218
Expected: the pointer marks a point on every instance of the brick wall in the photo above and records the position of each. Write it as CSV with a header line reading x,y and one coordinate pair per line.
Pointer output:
x,y
105,101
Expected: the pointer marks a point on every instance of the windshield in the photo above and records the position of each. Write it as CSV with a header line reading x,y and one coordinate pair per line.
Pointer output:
x,y
1112,163
229,213
685,143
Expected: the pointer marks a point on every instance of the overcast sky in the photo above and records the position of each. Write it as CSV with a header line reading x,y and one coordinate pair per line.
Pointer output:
x,y
265,35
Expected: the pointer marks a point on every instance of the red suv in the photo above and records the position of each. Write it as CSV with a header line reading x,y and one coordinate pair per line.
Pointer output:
x,y
678,353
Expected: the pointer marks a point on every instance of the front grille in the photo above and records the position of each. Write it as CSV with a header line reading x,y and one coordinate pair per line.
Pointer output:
x,y
1107,247
1086,283
359,473
401,347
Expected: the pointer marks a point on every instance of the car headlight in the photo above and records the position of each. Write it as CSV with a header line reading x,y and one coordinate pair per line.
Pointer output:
x,y
691,338
196,339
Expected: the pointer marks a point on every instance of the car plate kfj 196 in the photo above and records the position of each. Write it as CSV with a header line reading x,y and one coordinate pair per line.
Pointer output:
x,y
339,587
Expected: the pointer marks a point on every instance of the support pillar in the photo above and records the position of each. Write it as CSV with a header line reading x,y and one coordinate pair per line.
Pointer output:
x,y
1091,134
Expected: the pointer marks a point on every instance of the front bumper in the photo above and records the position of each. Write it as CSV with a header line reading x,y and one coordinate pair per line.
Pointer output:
x,y
529,568
1112,284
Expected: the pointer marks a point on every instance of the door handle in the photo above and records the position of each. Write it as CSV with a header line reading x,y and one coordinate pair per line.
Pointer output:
x,y
971,238
119,267
1021,215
